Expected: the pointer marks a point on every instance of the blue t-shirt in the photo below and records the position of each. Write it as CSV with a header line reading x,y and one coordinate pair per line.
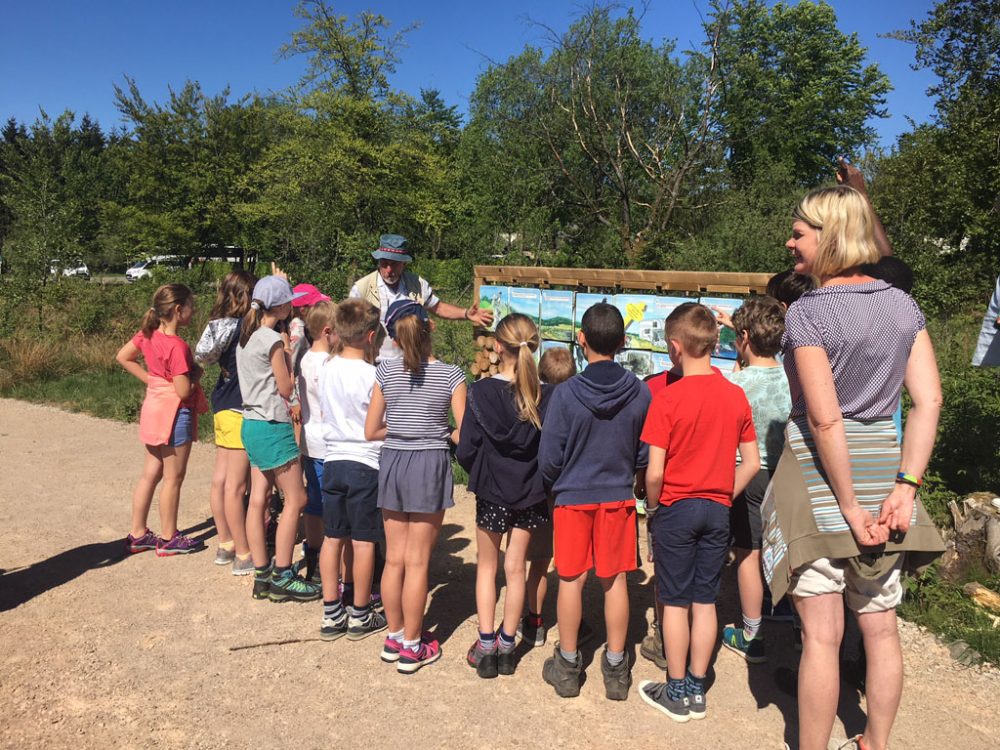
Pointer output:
x,y
770,400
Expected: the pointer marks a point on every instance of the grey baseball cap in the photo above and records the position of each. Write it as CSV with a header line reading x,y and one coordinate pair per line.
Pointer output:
x,y
272,291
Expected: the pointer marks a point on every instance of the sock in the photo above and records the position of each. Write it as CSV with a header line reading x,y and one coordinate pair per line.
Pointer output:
x,y
506,642
751,627
347,595
411,645
280,570
244,557
262,571
615,657
569,656
693,685
358,612
534,618
676,689
227,546
487,641
397,636
333,610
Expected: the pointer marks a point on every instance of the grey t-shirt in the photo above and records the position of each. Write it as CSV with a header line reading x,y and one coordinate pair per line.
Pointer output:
x,y
258,387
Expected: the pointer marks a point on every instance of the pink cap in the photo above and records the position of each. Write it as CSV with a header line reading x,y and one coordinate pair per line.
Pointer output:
x,y
310,295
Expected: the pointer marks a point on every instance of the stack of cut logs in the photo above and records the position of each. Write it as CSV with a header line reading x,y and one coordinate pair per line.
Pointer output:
x,y
486,362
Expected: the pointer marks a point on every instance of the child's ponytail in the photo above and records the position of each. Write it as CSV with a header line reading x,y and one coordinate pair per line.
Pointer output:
x,y
413,335
251,321
519,336
166,298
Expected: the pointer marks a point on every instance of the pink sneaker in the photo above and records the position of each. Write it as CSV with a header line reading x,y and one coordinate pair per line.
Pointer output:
x,y
390,650
412,659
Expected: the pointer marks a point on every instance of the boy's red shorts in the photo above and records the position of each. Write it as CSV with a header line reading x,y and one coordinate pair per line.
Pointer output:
x,y
597,535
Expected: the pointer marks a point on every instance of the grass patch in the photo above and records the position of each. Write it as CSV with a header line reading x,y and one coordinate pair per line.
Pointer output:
x,y
944,609
112,394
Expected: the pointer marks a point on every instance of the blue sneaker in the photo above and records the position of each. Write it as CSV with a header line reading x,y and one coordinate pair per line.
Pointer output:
x,y
752,650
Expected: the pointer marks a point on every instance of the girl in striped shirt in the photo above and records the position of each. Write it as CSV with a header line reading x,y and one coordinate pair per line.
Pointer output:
x,y
409,411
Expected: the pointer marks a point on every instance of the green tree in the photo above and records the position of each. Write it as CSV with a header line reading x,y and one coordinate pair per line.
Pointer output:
x,y
795,90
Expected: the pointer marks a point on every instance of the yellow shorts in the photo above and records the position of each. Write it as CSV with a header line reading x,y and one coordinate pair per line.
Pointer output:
x,y
227,429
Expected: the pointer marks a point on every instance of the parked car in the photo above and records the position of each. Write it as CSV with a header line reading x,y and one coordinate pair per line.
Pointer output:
x,y
143,269
79,269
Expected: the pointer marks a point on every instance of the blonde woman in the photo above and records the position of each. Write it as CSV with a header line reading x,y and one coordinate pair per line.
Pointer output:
x,y
842,519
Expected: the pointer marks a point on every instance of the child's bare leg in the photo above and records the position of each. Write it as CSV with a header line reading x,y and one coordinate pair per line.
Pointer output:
x,y
396,532
237,469
329,559
289,481
751,582
615,611
142,496
363,571
538,584
704,634
174,468
422,534
676,639
313,526
260,496
347,564
217,497
514,569
487,559
569,610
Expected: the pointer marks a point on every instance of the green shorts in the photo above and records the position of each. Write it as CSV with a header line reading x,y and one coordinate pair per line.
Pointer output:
x,y
269,445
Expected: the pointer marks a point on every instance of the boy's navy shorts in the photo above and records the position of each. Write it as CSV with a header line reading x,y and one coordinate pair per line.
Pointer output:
x,y
690,544
350,501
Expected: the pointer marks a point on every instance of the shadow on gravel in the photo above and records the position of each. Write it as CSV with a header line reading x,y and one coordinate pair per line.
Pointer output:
x,y
453,584
24,584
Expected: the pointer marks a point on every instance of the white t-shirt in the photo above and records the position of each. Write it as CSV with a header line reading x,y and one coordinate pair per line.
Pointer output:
x,y
313,444
386,296
345,387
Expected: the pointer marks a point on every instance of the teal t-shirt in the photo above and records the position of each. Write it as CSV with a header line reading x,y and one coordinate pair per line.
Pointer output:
x,y
771,402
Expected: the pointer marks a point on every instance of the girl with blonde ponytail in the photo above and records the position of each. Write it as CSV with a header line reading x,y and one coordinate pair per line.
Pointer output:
x,y
499,449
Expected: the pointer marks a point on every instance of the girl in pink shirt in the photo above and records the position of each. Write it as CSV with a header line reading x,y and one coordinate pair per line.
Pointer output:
x,y
167,423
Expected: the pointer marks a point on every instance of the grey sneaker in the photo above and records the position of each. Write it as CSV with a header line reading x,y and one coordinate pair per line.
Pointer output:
x,y
224,556
243,567
361,627
531,634
617,679
563,675
332,629
652,647
655,694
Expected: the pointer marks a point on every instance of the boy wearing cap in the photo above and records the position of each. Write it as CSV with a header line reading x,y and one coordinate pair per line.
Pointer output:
x,y
392,282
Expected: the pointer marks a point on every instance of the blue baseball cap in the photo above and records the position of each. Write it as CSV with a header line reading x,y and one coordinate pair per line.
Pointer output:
x,y
402,308
392,247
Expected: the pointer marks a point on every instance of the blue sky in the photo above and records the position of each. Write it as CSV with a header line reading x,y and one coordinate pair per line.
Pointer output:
x,y
62,54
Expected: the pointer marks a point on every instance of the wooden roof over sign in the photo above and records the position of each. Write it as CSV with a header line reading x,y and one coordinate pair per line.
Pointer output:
x,y
615,278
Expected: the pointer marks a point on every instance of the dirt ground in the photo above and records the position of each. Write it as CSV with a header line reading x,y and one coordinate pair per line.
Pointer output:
x,y
101,651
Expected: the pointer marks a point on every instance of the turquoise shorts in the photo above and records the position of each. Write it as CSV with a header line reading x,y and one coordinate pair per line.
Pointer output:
x,y
269,445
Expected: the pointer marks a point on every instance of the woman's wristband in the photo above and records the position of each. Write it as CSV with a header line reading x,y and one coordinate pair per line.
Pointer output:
x,y
910,479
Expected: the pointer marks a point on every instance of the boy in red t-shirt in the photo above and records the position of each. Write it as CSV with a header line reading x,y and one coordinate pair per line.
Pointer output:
x,y
693,430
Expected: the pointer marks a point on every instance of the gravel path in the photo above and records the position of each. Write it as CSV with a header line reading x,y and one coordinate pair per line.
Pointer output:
x,y
100,651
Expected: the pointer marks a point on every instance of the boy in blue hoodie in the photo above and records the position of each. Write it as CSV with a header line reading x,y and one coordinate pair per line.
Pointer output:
x,y
589,456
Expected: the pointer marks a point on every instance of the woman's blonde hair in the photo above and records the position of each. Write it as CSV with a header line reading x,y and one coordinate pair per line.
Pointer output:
x,y
844,228
518,335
